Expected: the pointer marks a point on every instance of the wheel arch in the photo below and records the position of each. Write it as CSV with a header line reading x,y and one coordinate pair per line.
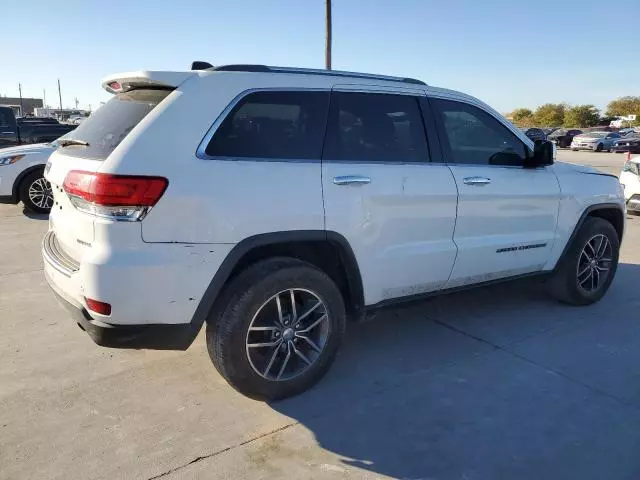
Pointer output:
x,y
18,182
312,246
611,212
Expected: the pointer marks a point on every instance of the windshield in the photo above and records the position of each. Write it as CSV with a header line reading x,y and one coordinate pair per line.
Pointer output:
x,y
110,124
595,135
558,133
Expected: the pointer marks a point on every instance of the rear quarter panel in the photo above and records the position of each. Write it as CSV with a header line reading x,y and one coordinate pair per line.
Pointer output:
x,y
215,201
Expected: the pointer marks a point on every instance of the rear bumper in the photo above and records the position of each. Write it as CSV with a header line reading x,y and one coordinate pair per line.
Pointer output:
x,y
149,336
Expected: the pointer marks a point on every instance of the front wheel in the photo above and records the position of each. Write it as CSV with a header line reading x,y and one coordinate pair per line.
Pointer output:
x,y
35,193
277,328
599,147
589,265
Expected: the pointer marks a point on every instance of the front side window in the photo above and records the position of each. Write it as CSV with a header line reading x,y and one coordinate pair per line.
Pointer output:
x,y
472,136
273,125
375,127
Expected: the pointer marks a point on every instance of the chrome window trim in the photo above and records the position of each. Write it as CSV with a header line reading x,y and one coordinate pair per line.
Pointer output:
x,y
201,150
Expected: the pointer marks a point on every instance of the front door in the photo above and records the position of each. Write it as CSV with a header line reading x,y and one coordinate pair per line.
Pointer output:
x,y
396,209
507,214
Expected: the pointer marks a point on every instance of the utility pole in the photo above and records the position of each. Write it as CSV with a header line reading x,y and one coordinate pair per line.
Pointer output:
x,y
327,48
44,98
21,107
77,102
60,96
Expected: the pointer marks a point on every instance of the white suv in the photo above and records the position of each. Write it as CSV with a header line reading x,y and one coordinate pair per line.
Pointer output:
x,y
276,203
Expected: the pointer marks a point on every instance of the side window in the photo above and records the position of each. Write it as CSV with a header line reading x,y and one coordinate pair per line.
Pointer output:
x,y
273,124
472,136
4,119
375,127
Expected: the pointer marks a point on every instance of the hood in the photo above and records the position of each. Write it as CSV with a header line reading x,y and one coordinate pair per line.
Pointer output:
x,y
27,149
569,168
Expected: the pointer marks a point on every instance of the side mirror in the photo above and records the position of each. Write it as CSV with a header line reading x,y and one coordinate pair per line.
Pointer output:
x,y
543,154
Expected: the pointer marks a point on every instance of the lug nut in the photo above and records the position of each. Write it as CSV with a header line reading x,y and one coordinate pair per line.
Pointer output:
x,y
298,325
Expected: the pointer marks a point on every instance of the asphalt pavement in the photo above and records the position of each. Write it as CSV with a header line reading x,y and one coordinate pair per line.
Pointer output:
x,y
495,383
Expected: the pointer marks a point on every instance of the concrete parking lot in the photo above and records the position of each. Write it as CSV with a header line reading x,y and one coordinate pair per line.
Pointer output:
x,y
496,383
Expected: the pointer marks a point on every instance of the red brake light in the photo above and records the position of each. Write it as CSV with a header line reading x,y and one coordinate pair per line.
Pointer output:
x,y
99,307
115,190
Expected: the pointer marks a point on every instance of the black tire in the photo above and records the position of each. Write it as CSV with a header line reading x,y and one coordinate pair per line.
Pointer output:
x,y
35,203
574,149
564,283
599,147
229,322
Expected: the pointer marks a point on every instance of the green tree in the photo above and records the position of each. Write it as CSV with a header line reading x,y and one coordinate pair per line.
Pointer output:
x,y
549,115
522,117
581,116
624,106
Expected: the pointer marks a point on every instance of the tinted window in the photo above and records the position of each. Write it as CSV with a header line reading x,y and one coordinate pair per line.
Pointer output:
x,y
372,127
5,118
472,136
111,123
613,135
279,125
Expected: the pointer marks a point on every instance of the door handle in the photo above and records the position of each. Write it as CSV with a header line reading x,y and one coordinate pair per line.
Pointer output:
x,y
351,180
477,181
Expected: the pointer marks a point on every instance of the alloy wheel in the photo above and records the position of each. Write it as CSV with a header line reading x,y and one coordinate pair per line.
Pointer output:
x,y
287,334
594,263
40,193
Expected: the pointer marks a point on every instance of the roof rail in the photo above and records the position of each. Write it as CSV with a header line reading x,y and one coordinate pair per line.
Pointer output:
x,y
311,71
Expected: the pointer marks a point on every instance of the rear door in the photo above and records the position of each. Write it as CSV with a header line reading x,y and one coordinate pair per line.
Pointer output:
x,y
507,214
396,209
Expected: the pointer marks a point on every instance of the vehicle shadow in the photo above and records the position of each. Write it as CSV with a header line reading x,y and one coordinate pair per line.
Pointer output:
x,y
35,216
433,390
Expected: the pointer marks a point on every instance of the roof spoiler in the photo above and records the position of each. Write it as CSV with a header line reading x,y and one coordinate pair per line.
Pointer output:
x,y
123,82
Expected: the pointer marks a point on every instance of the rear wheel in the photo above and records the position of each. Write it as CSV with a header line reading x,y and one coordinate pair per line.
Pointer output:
x,y
589,265
277,328
35,192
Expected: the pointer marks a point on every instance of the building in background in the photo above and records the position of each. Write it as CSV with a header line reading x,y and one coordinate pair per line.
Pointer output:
x,y
28,104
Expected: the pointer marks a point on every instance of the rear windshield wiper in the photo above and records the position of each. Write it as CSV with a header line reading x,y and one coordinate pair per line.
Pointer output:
x,y
70,141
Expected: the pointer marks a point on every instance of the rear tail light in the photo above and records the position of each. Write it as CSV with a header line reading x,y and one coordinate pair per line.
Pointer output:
x,y
118,197
99,307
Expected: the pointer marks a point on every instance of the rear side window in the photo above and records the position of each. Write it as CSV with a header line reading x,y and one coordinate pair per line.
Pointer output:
x,y
111,123
273,125
373,127
5,119
471,136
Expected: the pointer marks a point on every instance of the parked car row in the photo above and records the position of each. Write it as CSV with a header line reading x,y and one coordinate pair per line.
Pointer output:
x,y
21,131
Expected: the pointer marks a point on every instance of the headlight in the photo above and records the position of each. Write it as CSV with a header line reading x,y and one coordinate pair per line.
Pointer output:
x,y
10,160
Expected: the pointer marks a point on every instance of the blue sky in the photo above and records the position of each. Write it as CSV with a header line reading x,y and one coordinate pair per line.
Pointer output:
x,y
508,53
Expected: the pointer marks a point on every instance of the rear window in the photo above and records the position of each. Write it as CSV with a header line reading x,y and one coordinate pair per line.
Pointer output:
x,y
111,123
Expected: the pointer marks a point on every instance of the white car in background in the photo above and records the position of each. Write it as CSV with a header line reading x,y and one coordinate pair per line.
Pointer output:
x,y
22,176
630,180
596,141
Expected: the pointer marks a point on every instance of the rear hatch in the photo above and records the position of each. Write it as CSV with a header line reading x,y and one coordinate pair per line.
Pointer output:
x,y
85,149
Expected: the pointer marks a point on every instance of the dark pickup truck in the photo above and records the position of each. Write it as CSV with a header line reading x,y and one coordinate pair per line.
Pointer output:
x,y
15,132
